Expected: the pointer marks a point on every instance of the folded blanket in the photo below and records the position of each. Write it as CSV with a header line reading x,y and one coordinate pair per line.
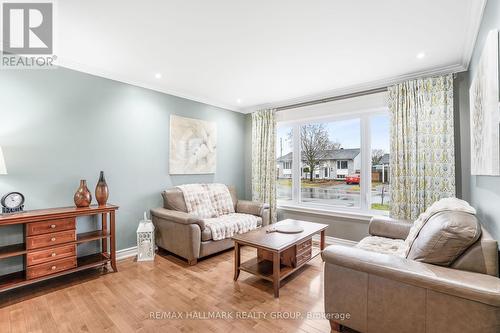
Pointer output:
x,y
446,204
213,203
220,198
228,225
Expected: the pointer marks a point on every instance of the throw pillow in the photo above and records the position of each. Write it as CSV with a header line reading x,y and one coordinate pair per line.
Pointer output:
x,y
445,237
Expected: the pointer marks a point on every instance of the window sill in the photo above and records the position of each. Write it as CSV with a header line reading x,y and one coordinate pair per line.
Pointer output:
x,y
354,215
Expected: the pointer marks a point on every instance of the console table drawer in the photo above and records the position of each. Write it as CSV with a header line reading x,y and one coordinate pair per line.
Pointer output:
x,y
45,227
50,268
56,253
35,242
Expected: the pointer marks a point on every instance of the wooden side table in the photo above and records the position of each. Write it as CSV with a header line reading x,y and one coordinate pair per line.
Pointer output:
x,y
50,241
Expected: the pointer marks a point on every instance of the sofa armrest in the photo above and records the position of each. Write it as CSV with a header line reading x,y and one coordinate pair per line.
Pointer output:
x,y
468,285
177,217
251,207
384,226
254,208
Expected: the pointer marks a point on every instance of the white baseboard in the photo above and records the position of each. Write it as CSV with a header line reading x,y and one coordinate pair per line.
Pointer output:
x,y
132,251
126,253
335,241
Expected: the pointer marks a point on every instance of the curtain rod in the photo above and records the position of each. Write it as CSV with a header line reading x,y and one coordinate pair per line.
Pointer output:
x,y
340,97
331,99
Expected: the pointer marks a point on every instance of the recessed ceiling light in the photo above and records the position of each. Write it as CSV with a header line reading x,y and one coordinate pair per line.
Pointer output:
x,y
238,101
421,55
158,75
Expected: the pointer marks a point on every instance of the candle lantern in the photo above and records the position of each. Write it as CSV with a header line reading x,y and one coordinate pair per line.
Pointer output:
x,y
145,240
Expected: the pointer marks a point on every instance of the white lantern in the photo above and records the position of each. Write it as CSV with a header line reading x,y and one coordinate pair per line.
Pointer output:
x,y
145,240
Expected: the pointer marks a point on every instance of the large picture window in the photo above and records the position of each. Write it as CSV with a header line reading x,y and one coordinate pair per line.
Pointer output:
x,y
335,163
330,154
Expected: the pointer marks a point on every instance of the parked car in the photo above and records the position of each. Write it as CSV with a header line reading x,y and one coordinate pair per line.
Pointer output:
x,y
352,179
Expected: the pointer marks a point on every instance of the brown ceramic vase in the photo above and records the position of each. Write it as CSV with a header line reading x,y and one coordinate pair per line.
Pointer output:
x,y
101,190
82,197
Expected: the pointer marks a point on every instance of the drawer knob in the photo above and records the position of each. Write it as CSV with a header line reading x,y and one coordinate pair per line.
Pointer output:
x,y
53,239
53,268
53,226
53,254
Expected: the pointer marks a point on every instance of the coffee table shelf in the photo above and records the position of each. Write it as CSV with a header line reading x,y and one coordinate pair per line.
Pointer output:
x,y
264,268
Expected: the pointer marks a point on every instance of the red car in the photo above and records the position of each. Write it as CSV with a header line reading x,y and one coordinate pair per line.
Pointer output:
x,y
352,179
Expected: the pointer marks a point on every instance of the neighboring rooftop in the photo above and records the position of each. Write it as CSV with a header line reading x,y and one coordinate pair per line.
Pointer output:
x,y
333,154
384,159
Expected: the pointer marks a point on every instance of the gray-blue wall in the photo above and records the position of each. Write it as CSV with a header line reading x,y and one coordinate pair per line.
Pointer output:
x,y
60,126
483,191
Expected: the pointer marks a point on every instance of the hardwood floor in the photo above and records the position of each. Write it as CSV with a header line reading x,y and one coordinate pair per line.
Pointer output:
x,y
129,300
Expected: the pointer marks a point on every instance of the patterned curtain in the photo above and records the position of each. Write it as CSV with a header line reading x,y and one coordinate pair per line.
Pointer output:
x,y
422,163
264,159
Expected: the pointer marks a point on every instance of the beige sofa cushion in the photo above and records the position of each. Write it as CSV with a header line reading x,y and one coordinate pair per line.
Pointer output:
x,y
380,244
206,234
174,199
445,237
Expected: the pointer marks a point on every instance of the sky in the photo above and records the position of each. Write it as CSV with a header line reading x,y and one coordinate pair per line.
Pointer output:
x,y
347,132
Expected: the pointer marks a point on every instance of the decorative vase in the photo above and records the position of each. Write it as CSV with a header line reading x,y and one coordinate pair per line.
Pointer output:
x,y
101,190
82,197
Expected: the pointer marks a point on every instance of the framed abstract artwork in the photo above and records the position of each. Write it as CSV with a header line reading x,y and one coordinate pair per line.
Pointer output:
x,y
484,97
193,146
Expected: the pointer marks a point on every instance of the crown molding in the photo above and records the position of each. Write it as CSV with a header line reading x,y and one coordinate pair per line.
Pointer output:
x,y
475,18
376,84
79,67
475,11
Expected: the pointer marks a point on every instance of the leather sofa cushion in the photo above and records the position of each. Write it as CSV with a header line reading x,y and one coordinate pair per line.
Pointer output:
x,y
444,237
206,234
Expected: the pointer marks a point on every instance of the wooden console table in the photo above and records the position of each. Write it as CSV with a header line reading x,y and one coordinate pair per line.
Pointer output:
x,y
50,242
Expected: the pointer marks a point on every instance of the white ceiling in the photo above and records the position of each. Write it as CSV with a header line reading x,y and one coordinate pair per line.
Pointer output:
x,y
242,54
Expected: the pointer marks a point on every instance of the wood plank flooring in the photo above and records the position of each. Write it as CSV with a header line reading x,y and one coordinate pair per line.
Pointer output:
x,y
141,295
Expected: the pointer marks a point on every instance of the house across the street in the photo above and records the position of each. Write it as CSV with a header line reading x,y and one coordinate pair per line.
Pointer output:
x,y
336,164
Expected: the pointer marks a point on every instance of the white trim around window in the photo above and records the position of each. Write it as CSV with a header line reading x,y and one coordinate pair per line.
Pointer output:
x,y
364,211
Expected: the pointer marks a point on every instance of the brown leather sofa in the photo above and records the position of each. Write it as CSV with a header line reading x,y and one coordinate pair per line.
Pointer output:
x,y
186,236
375,292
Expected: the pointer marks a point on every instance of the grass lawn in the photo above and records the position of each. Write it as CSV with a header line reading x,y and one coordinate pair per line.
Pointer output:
x,y
320,182
378,206
284,182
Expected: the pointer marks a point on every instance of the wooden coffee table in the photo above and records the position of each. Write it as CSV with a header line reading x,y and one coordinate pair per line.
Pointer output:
x,y
278,254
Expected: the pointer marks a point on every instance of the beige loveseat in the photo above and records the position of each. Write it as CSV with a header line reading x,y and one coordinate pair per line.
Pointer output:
x,y
376,292
186,236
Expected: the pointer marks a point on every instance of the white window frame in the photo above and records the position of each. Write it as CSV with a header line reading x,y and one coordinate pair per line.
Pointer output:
x,y
366,165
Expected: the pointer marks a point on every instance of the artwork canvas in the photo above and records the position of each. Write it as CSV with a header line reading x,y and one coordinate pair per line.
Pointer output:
x,y
193,146
485,111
